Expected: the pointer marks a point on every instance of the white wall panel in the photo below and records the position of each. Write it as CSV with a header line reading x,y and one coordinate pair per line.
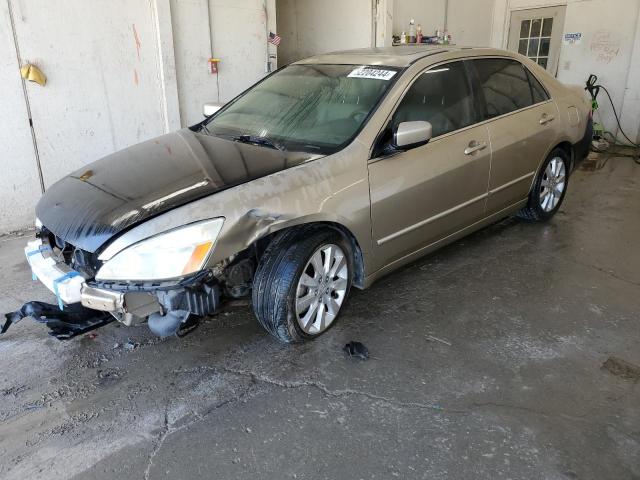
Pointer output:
x,y
19,181
192,44
104,87
469,22
427,13
311,27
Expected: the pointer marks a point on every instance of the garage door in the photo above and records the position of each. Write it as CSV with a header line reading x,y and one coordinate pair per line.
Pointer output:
x,y
103,91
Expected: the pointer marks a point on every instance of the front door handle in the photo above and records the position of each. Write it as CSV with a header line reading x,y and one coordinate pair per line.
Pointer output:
x,y
546,119
475,147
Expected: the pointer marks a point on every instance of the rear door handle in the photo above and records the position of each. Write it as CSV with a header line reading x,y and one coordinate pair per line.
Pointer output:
x,y
546,119
475,147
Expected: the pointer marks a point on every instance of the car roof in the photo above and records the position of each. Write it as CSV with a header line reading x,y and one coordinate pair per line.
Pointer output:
x,y
400,56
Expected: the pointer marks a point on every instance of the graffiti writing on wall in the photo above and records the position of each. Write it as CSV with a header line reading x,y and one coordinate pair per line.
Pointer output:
x,y
605,46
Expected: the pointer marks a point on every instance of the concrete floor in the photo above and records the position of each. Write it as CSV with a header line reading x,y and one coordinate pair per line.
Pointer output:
x,y
486,363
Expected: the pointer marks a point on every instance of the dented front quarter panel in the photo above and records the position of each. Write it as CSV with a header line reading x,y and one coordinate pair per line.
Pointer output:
x,y
330,189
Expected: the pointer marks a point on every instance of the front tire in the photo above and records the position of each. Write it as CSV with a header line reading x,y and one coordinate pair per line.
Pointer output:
x,y
549,188
302,282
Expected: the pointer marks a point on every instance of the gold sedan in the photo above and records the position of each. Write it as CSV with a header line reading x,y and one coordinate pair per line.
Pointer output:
x,y
327,174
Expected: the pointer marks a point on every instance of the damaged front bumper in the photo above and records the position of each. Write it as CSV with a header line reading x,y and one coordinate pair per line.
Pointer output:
x,y
70,287
84,304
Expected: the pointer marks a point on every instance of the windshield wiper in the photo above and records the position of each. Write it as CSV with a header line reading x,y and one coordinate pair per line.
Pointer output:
x,y
255,140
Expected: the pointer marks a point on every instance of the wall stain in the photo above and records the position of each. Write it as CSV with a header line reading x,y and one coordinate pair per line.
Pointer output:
x,y
137,40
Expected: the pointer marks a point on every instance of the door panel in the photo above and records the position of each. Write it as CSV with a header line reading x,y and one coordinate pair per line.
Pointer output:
x,y
521,125
425,194
519,143
103,91
537,34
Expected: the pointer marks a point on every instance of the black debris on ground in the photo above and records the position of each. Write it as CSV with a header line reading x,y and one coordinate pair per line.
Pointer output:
x,y
357,350
64,324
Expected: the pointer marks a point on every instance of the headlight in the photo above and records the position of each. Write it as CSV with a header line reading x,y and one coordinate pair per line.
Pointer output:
x,y
168,255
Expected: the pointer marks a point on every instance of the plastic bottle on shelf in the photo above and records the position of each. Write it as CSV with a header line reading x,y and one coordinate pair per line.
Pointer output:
x,y
403,38
419,34
412,31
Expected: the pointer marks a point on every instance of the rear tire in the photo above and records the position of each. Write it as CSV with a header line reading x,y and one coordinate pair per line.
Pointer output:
x,y
549,188
302,282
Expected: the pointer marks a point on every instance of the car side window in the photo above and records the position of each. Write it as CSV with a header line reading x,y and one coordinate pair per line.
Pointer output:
x,y
441,96
537,90
504,84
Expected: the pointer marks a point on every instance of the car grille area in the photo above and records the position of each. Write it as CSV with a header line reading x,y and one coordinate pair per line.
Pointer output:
x,y
79,260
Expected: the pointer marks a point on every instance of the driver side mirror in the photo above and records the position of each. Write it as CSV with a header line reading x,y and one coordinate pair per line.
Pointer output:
x,y
211,108
409,135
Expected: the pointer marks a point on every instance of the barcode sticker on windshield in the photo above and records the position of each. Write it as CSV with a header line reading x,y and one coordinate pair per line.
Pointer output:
x,y
373,73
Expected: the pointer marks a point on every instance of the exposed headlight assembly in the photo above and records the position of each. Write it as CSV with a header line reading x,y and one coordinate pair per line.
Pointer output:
x,y
168,255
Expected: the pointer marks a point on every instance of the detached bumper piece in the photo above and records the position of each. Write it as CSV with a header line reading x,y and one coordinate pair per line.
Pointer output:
x,y
183,309
63,324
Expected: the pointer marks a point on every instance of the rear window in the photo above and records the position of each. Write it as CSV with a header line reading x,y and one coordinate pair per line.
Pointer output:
x,y
538,91
505,86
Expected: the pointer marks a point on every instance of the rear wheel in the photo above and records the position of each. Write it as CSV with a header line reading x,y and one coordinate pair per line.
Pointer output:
x,y
302,282
549,188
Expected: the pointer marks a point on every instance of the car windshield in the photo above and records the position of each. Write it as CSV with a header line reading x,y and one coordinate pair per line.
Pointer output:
x,y
318,108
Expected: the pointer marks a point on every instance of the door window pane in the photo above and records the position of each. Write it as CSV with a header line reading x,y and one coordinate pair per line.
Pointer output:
x,y
524,28
504,84
547,25
545,43
522,47
543,62
440,96
533,47
536,27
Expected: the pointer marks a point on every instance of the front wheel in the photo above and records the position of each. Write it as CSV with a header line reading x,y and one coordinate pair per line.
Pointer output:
x,y
549,188
302,282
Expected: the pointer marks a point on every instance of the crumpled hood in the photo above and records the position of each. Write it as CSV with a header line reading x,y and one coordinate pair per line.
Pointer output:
x,y
95,203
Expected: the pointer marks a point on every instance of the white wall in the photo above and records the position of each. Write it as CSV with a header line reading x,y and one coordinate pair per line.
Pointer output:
x,y
192,47
384,23
430,14
239,40
311,27
104,90
610,32
233,31
470,22
19,181
119,72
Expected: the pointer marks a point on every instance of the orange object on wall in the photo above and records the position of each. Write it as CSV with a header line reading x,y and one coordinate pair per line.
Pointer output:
x,y
213,62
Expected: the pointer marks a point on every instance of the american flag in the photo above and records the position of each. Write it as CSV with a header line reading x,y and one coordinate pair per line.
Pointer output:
x,y
274,38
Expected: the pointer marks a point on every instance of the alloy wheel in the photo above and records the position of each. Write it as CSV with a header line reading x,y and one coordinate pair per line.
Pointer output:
x,y
321,289
553,184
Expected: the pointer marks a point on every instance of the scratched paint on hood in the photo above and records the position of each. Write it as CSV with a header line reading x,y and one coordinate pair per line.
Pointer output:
x,y
90,206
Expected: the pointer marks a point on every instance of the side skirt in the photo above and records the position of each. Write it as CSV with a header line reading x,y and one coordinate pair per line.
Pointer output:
x,y
370,279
